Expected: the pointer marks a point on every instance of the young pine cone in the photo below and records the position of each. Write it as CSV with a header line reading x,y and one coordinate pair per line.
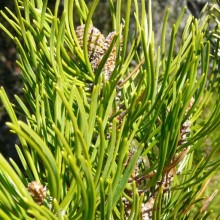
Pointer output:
x,y
37,192
97,47
185,129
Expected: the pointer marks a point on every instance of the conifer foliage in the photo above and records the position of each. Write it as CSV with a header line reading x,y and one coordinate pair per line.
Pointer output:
x,y
111,123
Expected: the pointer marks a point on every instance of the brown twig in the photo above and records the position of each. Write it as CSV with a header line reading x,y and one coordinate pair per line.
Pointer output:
x,y
132,73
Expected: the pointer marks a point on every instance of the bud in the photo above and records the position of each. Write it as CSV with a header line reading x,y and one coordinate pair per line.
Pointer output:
x,y
37,192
